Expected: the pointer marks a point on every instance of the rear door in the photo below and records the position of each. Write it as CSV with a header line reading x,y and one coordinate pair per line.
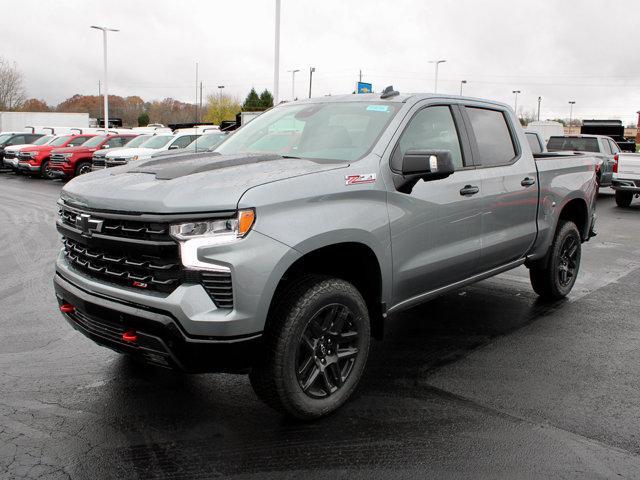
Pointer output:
x,y
510,194
435,229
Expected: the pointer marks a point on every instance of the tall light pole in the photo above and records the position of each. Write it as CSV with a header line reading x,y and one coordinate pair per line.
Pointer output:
x,y
437,62
311,70
515,105
106,85
276,59
571,104
293,83
539,102
462,82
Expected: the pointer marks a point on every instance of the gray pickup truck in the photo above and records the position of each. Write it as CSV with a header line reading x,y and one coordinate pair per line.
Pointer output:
x,y
282,253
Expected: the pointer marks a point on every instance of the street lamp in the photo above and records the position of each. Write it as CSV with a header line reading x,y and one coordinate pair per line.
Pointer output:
x,y
437,63
462,82
539,101
311,70
106,86
276,57
220,87
571,104
293,83
515,106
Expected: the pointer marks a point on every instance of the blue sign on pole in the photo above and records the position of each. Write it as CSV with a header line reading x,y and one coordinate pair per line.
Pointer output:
x,y
364,87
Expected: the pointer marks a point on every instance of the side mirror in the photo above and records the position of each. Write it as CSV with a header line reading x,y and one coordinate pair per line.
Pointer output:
x,y
424,165
427,164
105,146
174,147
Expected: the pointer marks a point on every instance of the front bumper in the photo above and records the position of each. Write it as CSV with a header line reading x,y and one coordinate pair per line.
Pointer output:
x,y
59,170
160,339
27,167
11,163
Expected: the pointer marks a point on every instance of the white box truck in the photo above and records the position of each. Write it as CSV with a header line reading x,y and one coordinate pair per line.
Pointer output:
x,y
38,121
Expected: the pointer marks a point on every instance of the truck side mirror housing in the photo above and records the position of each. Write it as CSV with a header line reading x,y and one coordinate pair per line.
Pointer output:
x,y
174,147
427,164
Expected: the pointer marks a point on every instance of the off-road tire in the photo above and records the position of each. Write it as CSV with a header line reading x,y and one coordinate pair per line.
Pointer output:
x,y
623,199
546,279
275,379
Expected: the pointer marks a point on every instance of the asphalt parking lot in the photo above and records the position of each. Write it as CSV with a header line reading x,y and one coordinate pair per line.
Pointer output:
x,y
486,382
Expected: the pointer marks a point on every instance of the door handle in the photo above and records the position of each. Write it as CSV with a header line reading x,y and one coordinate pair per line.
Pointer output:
x,y
528,181
469,190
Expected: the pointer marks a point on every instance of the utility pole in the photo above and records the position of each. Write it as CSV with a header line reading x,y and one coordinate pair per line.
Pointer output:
x,y
99,95
462,82
293,83
196,92
276,62
515,105
437,63
200,98
311,70
360,76
571,104
106,84
539,101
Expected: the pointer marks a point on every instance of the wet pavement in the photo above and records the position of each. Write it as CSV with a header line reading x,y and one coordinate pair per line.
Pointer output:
x,y
486,382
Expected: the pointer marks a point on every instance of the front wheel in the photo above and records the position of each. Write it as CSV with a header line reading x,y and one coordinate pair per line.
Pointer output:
x,y
45,170
623,199
83,168
316,348
556,278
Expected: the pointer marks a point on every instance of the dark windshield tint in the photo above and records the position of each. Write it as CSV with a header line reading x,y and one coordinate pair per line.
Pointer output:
x,y
576,144
492,136
332,131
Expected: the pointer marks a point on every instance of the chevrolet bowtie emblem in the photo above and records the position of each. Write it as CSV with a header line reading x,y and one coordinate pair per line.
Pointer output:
x,y
88,225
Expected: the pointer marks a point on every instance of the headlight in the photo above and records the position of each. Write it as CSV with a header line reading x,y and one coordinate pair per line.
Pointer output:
x,y
224,230
134,158
31,154
206,233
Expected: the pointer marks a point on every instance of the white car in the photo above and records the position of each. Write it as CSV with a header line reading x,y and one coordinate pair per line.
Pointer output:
x,y
157,143
11,153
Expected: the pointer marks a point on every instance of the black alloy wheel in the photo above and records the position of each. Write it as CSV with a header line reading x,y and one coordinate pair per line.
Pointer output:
x,y
327,351
568,262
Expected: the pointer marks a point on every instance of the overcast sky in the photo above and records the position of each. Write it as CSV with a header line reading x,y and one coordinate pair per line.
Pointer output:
x,y
561,50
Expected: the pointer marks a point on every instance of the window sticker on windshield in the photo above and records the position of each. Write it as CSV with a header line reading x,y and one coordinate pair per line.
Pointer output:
x,y
378,108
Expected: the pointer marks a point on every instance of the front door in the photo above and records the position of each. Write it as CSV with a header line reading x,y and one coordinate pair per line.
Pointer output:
x,y
435,229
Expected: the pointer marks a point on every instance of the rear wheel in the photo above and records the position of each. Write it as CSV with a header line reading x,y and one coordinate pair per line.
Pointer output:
x,y
555,279
623,199
82,168
317,345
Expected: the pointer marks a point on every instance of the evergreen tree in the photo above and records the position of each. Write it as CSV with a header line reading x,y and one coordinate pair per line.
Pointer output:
x,y
143,119
266,99
252,102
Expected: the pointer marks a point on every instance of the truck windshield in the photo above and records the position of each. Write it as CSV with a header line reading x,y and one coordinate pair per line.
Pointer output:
x,y
58,142
158,141
576,144
5,137
137,141
43,140
206,142
95,141
333,131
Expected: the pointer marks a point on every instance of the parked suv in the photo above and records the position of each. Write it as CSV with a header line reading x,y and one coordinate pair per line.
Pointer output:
x,y
15,138
284,265
35,160
603,147
73,161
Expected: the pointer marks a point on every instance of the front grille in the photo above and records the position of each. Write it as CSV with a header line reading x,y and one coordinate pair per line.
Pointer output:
x,y
219,287
124,228
136,254
24,156
117,266
9,155
98,163
57,157
116,162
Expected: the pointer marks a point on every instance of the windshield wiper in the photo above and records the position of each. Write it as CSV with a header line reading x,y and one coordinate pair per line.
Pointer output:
x,y
290,156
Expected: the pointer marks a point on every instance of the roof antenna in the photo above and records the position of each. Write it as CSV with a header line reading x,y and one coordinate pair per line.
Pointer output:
x,y
389,92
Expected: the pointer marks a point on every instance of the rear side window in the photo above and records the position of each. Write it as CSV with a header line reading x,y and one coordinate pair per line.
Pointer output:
x,y
534,143
432,128
493,137
606,146
614,147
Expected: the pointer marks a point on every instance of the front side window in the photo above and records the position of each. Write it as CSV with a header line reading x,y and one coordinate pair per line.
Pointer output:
x,y
78,141
432,128
17,140
95,141
495,145
343,131
182,142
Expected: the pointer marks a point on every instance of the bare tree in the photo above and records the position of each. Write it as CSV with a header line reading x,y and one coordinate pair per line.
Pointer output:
x,y
12,92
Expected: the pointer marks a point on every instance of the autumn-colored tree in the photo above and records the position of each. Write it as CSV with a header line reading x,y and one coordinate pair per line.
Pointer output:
x,y
221,107
170,110
91,104
34,105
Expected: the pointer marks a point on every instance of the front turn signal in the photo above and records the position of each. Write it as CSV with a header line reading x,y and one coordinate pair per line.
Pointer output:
x,y
245,221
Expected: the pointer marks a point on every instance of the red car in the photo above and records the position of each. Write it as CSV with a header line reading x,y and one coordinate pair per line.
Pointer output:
x,y
72,161
35,160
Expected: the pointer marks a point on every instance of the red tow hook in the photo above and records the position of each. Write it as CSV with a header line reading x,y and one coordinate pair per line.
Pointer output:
x,y
130,336
67,308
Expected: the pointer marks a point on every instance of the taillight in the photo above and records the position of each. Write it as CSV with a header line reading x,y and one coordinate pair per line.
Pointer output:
x,y
615,164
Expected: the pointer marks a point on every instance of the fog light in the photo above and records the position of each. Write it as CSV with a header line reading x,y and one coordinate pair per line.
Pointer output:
x,y
130,336
67,308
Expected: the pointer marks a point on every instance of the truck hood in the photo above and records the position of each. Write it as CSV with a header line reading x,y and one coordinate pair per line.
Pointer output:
x,y
38,148
79,149
203,182
130,152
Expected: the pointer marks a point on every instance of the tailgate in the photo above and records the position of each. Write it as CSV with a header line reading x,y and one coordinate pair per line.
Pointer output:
x,y
628,166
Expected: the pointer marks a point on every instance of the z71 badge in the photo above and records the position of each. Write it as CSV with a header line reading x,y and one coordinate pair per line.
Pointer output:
x,y
358,179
